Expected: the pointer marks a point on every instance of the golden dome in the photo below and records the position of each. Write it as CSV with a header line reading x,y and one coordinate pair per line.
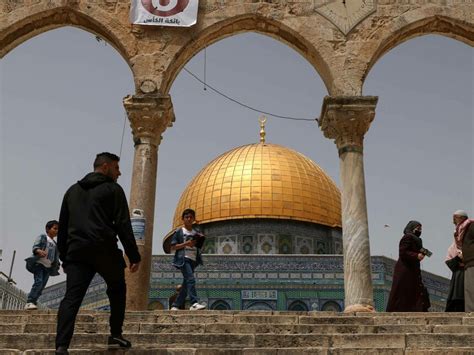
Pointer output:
x,y
262,181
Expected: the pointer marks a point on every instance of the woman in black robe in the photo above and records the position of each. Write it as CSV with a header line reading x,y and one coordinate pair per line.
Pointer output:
x,y
408,294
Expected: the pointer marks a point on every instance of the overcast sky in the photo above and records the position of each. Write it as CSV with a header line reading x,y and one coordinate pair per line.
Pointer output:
x,y
61,103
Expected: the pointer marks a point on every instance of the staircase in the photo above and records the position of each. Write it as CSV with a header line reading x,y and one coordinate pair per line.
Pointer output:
x,y
249,333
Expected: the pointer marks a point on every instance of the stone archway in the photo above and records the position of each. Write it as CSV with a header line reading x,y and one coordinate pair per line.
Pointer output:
x,y
442,25
19,26
247,23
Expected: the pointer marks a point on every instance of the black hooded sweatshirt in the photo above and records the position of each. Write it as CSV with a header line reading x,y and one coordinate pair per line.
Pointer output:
x,y
94,211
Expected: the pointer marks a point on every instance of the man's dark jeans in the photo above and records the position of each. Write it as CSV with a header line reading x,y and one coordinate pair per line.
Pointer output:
x,y
41,276
189,284
79,276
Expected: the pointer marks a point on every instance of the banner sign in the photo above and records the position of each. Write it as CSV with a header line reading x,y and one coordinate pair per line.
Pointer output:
x,y
179,13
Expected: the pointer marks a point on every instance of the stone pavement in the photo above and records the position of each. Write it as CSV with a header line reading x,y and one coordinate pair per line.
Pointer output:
x,y
244,332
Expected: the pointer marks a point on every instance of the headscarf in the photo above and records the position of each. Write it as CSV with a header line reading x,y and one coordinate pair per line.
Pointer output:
x,y
410,227
409,231
461,229
460,213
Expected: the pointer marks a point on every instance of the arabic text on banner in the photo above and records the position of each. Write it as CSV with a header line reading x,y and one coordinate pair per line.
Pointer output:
x,y
181,13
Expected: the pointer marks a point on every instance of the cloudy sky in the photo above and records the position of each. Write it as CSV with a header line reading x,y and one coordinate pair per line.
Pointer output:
x,y
61,103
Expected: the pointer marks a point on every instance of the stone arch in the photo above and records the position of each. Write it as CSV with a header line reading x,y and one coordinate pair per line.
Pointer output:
x,y
241,24
25,23
437,24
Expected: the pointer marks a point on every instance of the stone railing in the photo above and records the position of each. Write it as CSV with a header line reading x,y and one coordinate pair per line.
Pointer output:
x,y
11,297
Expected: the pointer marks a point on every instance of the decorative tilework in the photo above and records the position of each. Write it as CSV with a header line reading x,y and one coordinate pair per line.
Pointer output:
x,y
321,247
227,245
320,280
209,246
266,244
285,245
303,245
248,244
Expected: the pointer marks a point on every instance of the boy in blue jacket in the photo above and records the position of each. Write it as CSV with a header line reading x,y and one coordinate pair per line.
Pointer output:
x,y
43,263
187,243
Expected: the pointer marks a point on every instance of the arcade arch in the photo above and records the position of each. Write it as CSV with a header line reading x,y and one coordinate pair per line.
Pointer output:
x,y
241,24
44,18
393,37
423,121
45,106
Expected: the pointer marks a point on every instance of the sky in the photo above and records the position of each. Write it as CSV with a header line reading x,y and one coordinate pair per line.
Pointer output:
x,y
61,103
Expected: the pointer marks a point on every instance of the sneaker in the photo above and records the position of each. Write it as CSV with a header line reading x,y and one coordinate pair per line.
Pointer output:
x,y
197,306
174,309
61,350
30,306
118,342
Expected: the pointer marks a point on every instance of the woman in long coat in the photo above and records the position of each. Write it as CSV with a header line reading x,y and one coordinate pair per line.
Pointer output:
x,y
455,300
408,293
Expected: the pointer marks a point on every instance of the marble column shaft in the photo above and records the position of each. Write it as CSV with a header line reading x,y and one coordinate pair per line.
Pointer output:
x,y
149,117
346,120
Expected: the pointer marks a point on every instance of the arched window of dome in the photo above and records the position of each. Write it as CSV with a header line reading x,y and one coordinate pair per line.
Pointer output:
x,y
259,306
298,306
331,306
220,305
155,306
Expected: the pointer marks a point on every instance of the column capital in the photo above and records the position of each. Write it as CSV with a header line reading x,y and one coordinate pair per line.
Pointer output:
x,y
346,119
149,116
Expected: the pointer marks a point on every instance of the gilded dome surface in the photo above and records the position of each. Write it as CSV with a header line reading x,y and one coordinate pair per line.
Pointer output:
x,y
262,181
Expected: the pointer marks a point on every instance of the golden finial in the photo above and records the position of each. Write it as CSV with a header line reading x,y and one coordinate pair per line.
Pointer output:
x,y
262,119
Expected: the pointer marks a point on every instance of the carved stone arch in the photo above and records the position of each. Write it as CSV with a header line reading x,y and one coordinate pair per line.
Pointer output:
x,y
241,24
26,22
442,25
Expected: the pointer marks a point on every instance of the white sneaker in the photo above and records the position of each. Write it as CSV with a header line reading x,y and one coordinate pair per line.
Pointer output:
x,y
197,306
174,309
30,306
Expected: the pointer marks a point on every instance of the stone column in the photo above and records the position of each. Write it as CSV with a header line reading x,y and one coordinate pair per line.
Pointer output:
x,y
346,119
149,117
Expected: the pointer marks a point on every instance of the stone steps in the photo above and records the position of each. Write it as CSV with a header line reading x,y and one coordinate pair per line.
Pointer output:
x,y
222,340
234,332
241,328
250,351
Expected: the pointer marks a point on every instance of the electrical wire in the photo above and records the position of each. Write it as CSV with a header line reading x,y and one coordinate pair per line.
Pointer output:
x,y
206,85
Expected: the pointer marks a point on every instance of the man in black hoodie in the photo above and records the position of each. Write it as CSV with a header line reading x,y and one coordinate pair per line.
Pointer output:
x,y
94,211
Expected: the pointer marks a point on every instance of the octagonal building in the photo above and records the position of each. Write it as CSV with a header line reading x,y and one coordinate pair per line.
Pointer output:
x,y
264,199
